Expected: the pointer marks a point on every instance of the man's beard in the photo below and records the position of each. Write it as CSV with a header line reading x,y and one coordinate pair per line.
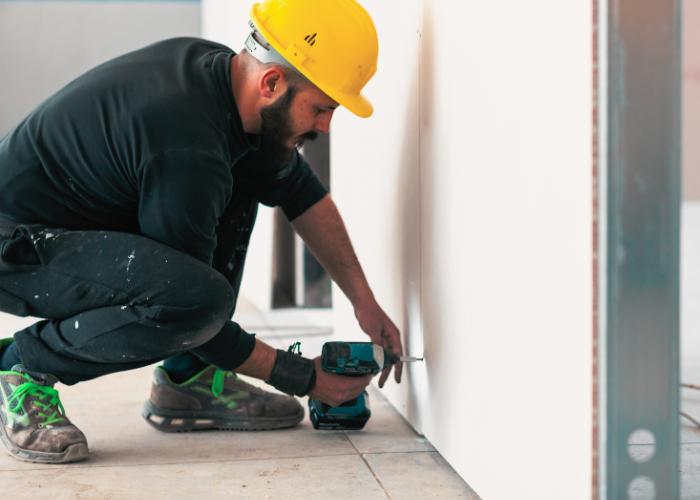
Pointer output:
x,y
276,128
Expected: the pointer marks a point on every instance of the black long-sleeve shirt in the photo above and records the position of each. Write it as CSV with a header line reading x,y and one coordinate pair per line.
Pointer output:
x,y
152,143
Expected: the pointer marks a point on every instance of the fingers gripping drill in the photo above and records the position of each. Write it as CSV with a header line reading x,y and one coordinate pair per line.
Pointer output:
x,y
350,359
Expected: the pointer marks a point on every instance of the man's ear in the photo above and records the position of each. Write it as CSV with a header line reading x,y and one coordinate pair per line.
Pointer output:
x,y
272,83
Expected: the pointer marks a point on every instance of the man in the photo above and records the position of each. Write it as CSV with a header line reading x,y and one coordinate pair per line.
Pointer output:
x,y
126,205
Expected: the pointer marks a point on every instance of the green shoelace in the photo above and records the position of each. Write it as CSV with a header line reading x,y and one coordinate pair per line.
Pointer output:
x,y
217,381
46,398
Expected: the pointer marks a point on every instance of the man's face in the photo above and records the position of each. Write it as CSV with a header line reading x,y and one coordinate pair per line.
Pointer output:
x,y
297,116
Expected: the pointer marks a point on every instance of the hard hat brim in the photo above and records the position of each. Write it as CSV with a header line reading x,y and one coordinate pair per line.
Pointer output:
x,y
356,104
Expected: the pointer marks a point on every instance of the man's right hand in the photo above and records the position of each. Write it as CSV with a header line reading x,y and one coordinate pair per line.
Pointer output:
x,y
335,390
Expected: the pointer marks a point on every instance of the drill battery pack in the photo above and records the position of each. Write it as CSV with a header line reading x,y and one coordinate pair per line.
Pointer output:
x,y
351,415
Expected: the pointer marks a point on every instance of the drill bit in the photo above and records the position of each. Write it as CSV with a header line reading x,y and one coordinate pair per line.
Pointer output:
x,y
409,359
390,358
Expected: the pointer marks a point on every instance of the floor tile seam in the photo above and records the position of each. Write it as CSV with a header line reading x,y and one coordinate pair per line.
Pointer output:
x,y
388,404
358,453
369,467
147,464
399,449
402,452
446,465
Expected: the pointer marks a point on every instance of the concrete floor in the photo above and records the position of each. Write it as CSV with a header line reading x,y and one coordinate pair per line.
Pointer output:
x,y
130,460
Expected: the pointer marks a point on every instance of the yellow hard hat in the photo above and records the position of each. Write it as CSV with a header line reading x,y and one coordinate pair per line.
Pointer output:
x,y
333,43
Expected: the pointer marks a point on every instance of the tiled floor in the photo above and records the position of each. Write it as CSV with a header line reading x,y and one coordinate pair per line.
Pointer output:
x,y
130,460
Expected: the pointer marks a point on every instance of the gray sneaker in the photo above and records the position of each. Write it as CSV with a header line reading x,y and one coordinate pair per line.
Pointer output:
x,y
33,424
217,399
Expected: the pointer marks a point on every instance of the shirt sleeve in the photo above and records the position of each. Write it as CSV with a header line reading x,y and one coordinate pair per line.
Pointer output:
x,y
294,187
182,195
230,348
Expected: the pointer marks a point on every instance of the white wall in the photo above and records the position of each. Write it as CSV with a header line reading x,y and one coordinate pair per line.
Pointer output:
x,y
474,225
44,45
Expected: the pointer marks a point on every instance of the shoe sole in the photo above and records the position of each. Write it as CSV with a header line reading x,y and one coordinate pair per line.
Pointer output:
x,y
74,453
186,421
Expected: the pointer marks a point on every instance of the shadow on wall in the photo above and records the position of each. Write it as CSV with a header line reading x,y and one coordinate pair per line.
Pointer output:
x,y
411,200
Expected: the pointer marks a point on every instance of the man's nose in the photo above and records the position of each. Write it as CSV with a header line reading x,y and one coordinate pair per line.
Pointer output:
x,y
323,122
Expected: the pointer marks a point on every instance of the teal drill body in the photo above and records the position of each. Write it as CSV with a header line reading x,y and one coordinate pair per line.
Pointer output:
x,y
349,359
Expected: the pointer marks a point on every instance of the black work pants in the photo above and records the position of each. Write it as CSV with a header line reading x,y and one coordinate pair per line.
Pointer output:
x,y
113,301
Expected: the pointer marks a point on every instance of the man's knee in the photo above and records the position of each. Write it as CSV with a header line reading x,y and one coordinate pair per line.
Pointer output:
x,y
205,304
215,309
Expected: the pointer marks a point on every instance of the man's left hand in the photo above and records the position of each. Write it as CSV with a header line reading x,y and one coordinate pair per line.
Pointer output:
x,y
375,323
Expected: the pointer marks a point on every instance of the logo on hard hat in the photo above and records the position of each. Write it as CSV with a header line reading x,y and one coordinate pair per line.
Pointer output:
x,y
311,39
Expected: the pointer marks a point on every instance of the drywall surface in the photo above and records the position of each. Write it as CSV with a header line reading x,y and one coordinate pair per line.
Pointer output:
x,y
44,45
468,196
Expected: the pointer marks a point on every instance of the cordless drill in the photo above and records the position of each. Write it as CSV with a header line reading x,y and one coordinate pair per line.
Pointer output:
x,y
351,359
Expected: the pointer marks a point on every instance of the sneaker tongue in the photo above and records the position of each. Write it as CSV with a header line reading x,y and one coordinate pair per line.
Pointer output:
x,y
40,378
